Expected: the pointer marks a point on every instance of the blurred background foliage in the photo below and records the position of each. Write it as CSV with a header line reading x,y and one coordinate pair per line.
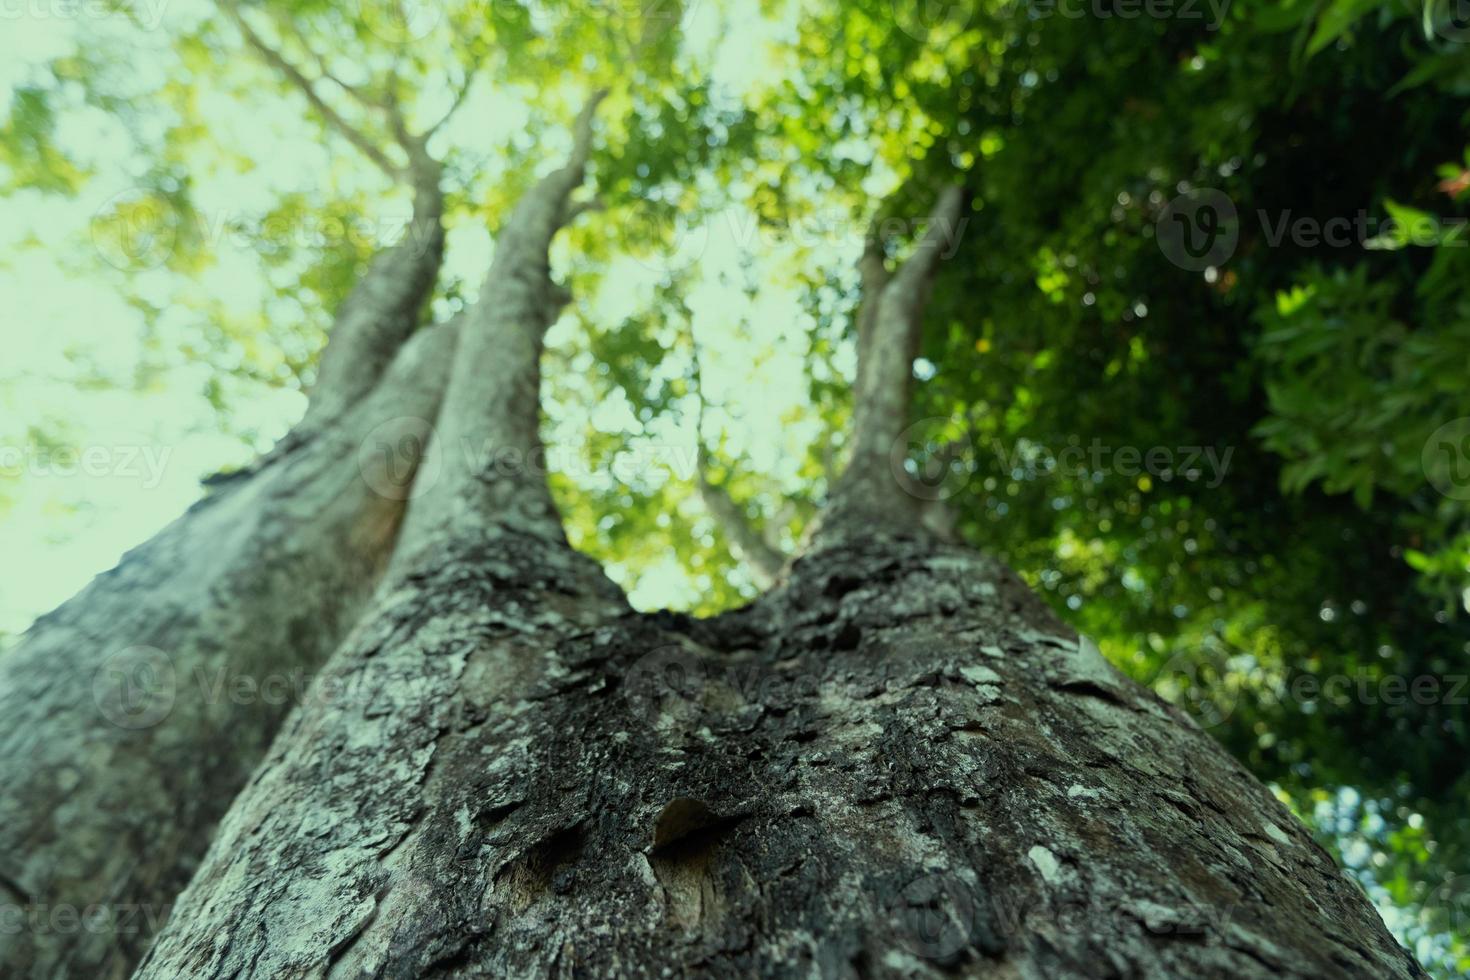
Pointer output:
x,y
1289,563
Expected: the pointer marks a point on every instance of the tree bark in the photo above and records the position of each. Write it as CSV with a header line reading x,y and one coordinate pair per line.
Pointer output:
x,y
132,714
898,763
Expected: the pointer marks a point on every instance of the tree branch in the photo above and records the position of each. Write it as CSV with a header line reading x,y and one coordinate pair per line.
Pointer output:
x,y
763,561
873,278
890,328
941,233
494,472
307,88
471,70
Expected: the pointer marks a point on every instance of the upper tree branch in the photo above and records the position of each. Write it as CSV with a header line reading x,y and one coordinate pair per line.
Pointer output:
x,y
459,96
762,560
890,328
331,116
494,466
384,305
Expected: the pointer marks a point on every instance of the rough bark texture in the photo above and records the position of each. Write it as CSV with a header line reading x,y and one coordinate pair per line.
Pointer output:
x,y
131,715
898,764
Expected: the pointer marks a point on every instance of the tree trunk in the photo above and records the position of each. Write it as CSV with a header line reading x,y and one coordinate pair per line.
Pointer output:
x,y
131,715
898,763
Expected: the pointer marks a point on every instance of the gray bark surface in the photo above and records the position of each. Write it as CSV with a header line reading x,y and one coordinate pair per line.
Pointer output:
x,y
897,764
487,433
131,715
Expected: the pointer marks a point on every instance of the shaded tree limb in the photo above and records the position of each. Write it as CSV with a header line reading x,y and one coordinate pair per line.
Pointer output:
x,y
132,714
494,464
891,321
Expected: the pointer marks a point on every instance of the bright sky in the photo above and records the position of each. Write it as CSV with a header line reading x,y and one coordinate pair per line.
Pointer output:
x,y
124,464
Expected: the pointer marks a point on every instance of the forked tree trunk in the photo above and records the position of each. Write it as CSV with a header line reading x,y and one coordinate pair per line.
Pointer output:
x,y
131,715
897,763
